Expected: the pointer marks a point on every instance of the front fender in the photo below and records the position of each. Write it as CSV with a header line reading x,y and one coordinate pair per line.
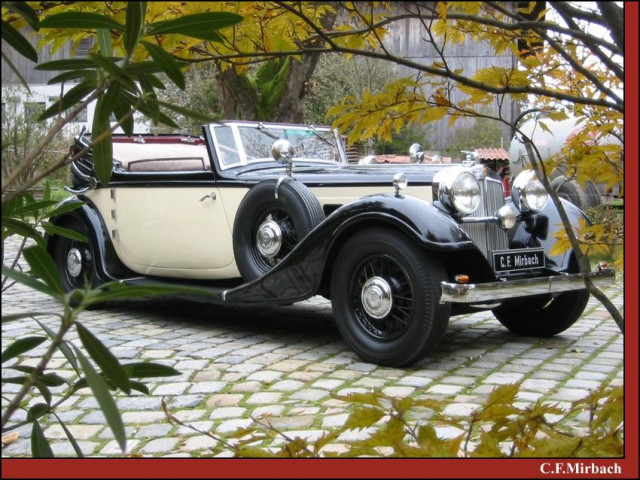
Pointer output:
x,y
300,274
422,221
541,229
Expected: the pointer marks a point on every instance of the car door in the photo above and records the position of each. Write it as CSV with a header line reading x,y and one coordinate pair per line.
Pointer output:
x,y
173,231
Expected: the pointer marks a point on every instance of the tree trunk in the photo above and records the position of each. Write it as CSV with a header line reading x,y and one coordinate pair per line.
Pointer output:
x,y
292,104
239,97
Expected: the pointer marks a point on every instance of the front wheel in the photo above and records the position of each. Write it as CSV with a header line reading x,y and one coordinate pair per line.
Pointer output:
x,y
542,315
385,293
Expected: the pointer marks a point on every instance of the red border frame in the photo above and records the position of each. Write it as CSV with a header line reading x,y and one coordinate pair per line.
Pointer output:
x,y
411,468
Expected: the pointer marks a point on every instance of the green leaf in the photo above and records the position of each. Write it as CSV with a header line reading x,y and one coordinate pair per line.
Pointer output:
x,y
46,194
140,387
52,380
43,266
44,390
20,346
148,81
143,67
104,42
25,11
40,447
63,347
32,207
18,227
30,282
102,151
11,206
117,291
74,96
68,206
23,368
82,20
185,111
166,62
71,438
18,42
67,64
197,25
104,399
133,25
17,316
37,411
87,75
52,229
149,109
104,358
156,115
148,370
109,66
121,111
15,380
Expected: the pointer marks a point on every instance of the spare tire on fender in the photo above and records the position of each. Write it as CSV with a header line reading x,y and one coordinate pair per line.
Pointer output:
x,y
582,197
269,225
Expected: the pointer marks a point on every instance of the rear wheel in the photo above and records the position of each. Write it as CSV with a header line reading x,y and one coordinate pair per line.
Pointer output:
x,y
74,259
385,292
542,315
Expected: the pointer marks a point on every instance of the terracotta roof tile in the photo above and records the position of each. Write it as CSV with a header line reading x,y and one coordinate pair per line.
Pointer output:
x,y
492,154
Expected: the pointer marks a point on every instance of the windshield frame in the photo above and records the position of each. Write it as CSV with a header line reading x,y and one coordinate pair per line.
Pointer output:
x,y
239,156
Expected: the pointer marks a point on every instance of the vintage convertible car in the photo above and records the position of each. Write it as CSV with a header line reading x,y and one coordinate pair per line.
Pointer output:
x,y
257,213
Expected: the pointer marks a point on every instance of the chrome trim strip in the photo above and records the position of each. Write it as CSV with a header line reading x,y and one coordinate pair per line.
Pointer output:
x,y
483,292
79,173
480,219
80,191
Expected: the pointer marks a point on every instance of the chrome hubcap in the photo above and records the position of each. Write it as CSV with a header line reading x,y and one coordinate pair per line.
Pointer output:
x,y
376,296
74,262
269,238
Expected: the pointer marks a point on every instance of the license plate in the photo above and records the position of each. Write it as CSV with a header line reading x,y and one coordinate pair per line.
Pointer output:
x,y
515,260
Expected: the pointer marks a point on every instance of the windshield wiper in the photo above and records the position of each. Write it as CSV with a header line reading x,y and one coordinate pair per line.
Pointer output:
x,y
315,132
266,131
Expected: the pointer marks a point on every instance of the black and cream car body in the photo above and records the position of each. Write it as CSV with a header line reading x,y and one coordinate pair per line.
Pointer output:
x,y
258,213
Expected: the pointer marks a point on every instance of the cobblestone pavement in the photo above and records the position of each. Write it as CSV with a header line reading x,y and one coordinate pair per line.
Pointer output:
x,y
285,361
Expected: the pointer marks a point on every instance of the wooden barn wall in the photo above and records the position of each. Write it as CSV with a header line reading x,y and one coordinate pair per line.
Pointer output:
x,y
407,39
26,67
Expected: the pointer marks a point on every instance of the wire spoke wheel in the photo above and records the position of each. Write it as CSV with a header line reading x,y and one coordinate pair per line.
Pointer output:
x,y
382,297
275,237
269,224
385,291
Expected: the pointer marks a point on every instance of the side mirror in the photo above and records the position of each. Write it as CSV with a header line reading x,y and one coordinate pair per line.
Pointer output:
x,y
416,153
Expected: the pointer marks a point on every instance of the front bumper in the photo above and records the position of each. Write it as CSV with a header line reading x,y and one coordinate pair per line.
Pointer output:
x,y
490,292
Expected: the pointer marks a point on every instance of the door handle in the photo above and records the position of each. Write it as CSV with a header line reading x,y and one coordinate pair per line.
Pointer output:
x,y
212,196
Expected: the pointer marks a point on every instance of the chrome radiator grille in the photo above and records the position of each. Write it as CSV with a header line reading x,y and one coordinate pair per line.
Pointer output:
x,y
488,236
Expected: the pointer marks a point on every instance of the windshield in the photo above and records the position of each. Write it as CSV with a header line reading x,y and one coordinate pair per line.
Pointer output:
x,y
242,144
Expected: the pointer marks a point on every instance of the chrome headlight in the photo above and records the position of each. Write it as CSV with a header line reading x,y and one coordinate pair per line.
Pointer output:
x,y
528,193
458,190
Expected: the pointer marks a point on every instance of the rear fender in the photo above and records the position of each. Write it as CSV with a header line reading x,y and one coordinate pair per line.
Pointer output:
x,y
108,266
